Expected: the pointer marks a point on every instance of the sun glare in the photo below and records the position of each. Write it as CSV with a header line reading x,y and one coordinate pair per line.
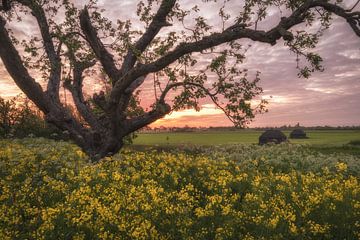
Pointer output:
x,y
206,109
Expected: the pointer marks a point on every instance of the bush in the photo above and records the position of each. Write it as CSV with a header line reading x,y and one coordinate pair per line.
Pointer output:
x,y
19,118
29,122
49,191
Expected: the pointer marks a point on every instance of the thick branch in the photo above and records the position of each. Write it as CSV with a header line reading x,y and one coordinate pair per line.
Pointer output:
x,y
55,61
207,42
126,96
80,104
75,89
18,72
160,111
158,22
97,46
162,108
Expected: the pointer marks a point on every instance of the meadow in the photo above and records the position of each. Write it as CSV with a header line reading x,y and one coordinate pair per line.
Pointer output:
x,y
324,141
316,137
50,190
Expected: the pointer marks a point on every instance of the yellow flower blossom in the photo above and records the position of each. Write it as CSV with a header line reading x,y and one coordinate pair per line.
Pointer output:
x,y
341,167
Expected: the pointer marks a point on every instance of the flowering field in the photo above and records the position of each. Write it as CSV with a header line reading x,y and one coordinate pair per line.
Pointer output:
x,y
48,190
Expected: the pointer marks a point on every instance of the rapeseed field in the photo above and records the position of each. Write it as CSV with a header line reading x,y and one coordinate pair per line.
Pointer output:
x,y
50,190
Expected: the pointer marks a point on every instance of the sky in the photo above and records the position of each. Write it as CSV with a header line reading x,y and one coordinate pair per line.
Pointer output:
x,y
331,97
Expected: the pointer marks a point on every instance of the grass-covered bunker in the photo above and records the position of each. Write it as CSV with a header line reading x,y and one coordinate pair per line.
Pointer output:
x,y
298,133
272,136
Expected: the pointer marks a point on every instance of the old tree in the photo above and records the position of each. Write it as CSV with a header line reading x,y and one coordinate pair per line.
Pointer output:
x,y
76,42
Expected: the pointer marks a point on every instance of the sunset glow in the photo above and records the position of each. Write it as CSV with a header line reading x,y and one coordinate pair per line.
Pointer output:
x,y
177,119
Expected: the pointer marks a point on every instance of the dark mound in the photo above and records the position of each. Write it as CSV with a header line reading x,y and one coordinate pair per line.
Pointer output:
x,y
272,136
298,133
354,143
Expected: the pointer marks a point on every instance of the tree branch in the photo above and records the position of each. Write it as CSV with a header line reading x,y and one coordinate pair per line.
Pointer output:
x,y
18,72
158,22
353,18
136,123
55,61
349,10
75,89
97,46
161,108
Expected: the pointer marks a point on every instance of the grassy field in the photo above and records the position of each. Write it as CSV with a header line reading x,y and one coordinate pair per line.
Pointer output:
x,y
324,141
316,137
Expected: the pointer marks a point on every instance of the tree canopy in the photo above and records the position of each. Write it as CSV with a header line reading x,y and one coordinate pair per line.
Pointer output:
x,y
76,42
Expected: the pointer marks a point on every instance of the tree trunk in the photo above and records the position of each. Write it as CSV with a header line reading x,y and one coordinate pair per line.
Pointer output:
x,y
96,143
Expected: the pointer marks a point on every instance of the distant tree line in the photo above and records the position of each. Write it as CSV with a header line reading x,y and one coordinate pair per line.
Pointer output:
x,y
289,127
325,127
19,118
148,129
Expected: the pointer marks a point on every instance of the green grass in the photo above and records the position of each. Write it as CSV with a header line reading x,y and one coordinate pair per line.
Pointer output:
x,y
197,138
316,137
324,141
